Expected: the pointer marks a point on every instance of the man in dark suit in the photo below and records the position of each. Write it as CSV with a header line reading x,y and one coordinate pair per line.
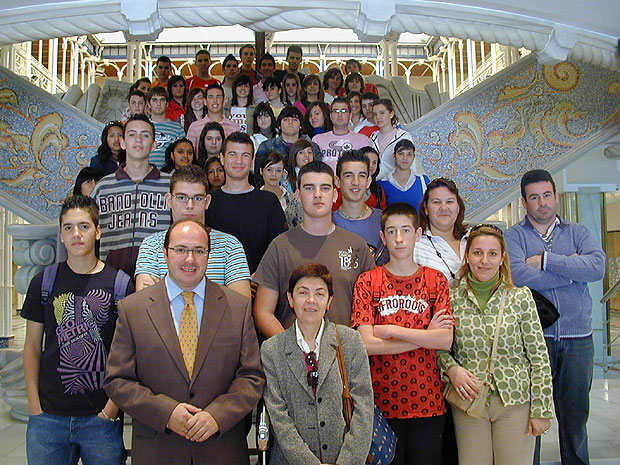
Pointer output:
x,y
184,361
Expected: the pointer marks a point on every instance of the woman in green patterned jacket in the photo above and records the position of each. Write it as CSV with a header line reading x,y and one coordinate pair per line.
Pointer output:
x,y
518,406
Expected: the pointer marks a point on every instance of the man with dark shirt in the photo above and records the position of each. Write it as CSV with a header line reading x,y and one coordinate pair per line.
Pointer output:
x,y
253,216
294,56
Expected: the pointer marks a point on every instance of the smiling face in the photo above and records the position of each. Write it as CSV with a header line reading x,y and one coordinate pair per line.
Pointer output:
x,y
485,256
187,270
272,174
198,102
316,195
303,157
354,181
310,300
238,160
215,101
317,118
183,154
312,89
442,208
115,134
144,87
243,90
294,60
78,233
400,236
267,68
356,107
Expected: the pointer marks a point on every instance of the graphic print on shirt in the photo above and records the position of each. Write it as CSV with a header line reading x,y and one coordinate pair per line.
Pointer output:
x,y
348,260
163,140
82,352
406,303
124,212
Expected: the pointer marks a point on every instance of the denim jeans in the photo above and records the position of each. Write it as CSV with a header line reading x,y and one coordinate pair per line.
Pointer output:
x,y
572,363
57,440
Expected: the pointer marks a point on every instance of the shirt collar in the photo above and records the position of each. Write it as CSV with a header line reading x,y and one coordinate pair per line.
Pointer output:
x,y
301,342
175,291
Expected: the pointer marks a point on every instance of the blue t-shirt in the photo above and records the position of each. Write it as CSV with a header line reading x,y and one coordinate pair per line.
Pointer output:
x,y
412,196
368,229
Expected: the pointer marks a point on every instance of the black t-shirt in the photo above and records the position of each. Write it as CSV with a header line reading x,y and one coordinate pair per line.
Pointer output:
x,y
255,218
79,324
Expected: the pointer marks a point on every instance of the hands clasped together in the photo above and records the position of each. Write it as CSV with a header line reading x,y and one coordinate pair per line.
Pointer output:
x,y
192,423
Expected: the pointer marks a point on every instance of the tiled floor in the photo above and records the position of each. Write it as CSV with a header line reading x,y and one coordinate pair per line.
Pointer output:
x,y
603,427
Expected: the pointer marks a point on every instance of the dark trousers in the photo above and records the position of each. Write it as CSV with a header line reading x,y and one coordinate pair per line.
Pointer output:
x,y
420,440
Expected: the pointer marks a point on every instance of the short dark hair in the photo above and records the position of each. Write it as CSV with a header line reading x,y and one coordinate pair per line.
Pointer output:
x,y
135,85
191,174
342,100
352,61
266,56
86,174
311,270
158,91
163,59
534,176
177,223
290,112
239,138
404,144
215,85
370,96
315,167
271,81
202,51
294,49
262,109
80,202
229,57
243,47
271,158
139,117
350,156
136,93
399,208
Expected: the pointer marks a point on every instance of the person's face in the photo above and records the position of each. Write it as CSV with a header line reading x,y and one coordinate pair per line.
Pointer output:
x,y
247,57
290,126
316,195
355,86
400,236
136,105
272,174
310,300
304,156
237,160
367,106
312,88
383,117
403,159
203,62
294,60
340,115
87,187
264,121
334,81
267,68
354,181
442,208
188,209
231,69
115,134
273,92
78,233
178,89
144,87
291,88
540,202
215,101
163,72
198,102
352,68
356,108
213,142
158,105
243,90
374,162
187,270
317,118
139,140
183,154
484,257
216,175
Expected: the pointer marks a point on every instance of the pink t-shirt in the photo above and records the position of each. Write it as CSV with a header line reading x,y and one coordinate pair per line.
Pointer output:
x,y
193,133
333,145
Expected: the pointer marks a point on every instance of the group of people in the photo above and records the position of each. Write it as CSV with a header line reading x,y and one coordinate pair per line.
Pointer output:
x,y
171,281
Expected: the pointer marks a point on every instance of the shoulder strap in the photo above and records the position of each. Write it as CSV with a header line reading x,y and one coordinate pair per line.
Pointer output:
x,y
431,284
376,283
346,394
500,317
121,281
47,284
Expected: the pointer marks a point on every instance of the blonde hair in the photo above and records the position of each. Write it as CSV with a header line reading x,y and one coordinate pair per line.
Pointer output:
x,y
504,269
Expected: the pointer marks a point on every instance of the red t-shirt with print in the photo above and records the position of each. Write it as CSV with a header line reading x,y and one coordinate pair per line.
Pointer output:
x,y
406,385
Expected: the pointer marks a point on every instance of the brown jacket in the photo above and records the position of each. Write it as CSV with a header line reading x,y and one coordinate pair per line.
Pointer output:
x,y
146,376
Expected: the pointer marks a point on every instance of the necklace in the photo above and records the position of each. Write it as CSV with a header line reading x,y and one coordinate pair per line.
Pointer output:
x,y
89,271
354,217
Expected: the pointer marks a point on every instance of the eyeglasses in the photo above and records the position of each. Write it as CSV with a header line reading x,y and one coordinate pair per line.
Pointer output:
x,y
313,373
487,225
184,251
182,198
341,110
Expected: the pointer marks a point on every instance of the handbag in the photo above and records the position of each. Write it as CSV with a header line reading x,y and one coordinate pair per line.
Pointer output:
x,y
547,313
476,408
383,445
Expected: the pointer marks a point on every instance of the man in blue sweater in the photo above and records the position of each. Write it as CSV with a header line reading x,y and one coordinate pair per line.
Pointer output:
x,y
558,259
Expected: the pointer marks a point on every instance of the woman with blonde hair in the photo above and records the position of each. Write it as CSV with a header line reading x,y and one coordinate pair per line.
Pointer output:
x,y
499,362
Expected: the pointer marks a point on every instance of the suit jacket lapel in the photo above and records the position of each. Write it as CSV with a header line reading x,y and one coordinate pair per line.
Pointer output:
x,y
213,310
296,361
158,309
327,361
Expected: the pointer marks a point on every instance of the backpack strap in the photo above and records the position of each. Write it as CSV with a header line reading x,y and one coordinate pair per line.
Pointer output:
x,y
47,284
431,284
121,281
376,283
